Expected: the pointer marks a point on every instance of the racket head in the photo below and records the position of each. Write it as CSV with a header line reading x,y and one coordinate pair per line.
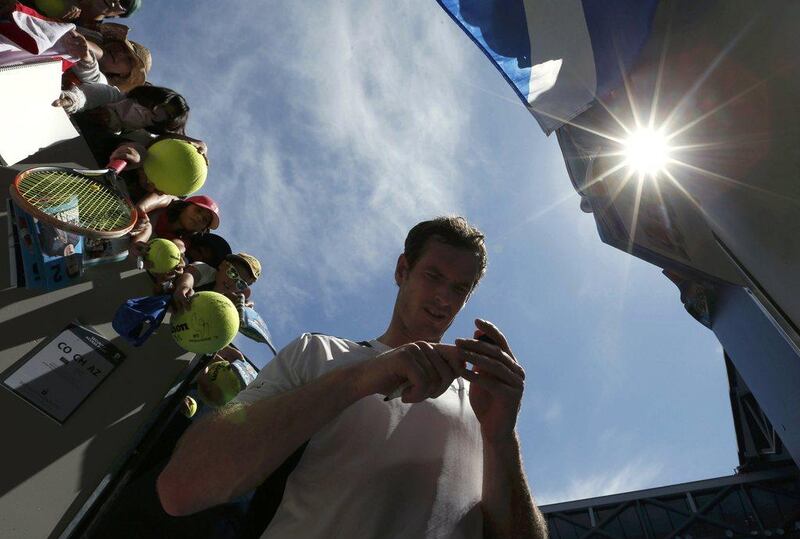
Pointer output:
x,y
79,201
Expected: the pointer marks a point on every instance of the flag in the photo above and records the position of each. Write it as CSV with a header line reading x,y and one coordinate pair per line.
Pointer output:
x,y
558,55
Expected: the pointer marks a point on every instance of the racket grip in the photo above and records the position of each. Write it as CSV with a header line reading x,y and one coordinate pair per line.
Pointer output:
x,y
117,165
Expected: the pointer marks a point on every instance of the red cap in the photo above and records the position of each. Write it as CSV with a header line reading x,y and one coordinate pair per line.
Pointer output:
x,y
208,203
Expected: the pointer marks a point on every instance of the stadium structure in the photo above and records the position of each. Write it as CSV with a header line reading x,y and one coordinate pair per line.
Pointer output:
x,y
719,81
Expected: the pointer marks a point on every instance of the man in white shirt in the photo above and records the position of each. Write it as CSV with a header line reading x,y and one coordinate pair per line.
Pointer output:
x,y
443,461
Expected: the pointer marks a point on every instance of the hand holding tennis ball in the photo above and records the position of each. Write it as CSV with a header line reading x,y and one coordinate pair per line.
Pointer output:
x,y
163,255
175,167
208,326
218,384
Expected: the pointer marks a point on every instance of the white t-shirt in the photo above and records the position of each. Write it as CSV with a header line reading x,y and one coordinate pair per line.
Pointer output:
x,y
379,469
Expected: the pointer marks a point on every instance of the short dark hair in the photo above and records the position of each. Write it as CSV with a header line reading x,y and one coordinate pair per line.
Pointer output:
x,y
218,246
450,230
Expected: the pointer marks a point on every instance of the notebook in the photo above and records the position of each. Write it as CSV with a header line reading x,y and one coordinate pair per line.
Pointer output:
x,y
28,121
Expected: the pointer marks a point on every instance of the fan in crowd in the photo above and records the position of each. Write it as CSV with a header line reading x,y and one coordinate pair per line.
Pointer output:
x,y
122,115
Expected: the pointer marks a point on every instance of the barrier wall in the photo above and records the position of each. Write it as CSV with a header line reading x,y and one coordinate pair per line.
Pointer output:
x,y
51,473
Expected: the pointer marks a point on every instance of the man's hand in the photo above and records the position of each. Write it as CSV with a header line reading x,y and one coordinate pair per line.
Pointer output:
x,y
429,368
496,382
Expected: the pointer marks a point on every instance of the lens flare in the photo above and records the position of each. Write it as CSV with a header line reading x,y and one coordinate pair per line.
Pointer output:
x,y
647,151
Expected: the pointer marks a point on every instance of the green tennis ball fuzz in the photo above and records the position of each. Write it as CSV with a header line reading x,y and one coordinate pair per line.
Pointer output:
x,y
175,167
164,255
189,406
208,326
51,8
218,384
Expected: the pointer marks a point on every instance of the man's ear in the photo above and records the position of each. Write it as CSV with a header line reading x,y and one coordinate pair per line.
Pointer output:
x,y
401,270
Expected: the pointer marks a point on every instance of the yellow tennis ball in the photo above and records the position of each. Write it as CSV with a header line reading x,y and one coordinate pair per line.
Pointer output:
x,y
51,8
164,255
189,406
175,167
208,326
218,384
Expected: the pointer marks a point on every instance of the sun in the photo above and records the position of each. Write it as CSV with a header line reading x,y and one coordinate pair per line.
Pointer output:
x,y
647,151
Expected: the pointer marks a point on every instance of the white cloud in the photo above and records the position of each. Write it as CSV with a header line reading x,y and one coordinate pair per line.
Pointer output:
x,y
636,475
549,408
332,128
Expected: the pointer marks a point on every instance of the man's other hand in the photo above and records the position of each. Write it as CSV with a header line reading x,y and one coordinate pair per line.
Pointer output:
x,y
497,381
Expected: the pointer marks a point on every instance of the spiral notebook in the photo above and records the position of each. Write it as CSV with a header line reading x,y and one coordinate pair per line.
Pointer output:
x,y
28,121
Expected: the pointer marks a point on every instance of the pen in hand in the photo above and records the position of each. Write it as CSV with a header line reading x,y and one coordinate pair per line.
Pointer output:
x,y
405,385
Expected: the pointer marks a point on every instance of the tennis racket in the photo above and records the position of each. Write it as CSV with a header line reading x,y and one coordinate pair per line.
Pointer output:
x,y
84,202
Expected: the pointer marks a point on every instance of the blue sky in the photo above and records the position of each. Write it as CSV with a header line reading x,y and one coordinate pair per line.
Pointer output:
x,y
335,127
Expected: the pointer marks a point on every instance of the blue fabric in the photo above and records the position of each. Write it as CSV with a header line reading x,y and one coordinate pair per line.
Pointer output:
x,y
138,318
254,327
618,30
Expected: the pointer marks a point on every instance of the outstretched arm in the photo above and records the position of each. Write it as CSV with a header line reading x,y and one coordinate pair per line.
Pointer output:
x,y
496,384
228,453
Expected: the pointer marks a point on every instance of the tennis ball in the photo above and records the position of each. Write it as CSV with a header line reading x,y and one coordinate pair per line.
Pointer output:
x,y
208,326
51,8
189,406
164,255
175,167
218,384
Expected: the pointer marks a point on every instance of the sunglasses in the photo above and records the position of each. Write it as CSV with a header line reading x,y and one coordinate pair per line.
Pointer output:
x,y
231,272
118,4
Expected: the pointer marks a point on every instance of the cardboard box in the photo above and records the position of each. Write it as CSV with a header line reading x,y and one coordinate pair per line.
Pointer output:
x,y
51,258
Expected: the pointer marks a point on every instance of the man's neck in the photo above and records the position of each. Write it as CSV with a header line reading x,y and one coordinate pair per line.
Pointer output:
x,y
397,334
393,339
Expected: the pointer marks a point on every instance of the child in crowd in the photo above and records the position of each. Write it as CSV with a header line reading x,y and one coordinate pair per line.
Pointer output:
x,y
208,248
233,279
109,57
179,221
154,109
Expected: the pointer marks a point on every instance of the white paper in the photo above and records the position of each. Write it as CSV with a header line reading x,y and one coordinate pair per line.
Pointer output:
x,y
28,121
60,376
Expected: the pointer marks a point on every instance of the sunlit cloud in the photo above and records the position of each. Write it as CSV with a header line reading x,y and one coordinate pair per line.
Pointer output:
x,y
636,475
375,143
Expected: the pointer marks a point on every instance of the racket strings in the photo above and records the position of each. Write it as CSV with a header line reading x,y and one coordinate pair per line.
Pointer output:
x,y
97,206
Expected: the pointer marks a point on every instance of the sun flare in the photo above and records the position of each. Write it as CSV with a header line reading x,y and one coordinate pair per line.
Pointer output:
x,y
647,151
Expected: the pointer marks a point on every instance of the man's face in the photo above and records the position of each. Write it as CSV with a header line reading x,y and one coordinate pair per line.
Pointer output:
x,y
434,290
116,63
232,279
